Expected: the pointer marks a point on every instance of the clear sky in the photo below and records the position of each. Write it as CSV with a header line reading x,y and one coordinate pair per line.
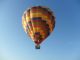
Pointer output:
x,y
62,44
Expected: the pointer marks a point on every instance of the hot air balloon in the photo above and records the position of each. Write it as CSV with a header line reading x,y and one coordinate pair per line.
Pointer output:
x,y
38,22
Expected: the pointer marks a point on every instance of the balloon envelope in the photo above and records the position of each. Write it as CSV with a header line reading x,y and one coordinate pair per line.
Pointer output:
x,y
38,22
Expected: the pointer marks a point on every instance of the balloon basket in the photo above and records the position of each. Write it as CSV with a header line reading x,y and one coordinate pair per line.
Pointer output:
x,y
37,46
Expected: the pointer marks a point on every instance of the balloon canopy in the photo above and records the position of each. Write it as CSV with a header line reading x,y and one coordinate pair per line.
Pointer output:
x,y
38,22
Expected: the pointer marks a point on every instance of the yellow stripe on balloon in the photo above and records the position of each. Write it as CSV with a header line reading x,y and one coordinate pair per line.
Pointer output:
x,y
24,23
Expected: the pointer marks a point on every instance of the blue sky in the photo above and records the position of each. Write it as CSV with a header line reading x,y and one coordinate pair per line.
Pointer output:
x,y
62,44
